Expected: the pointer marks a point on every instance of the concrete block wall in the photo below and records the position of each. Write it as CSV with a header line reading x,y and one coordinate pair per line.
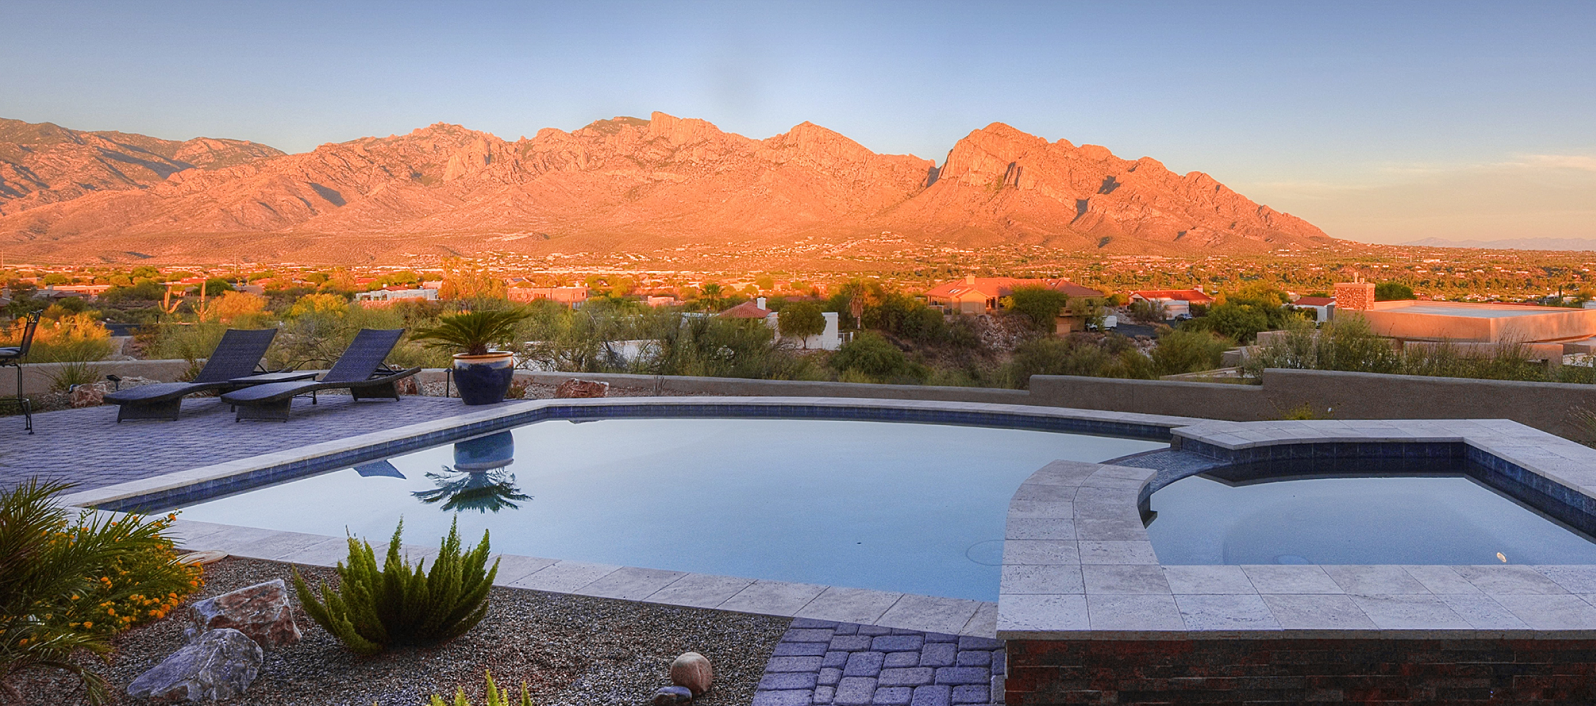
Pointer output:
x,y
1293,671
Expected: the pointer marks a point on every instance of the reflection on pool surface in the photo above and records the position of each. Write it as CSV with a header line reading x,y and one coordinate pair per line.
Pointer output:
x,y
1432,519
918,508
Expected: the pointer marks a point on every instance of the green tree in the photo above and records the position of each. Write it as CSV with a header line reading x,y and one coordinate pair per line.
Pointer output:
x,y
216,286
801,320
1392,291
1039,305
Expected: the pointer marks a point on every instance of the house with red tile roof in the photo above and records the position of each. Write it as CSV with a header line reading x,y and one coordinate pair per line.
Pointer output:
x,y
1176,302
1322,307
980,295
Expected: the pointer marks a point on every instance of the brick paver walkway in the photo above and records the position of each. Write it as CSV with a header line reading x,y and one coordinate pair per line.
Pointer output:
x,y
822,662
88,447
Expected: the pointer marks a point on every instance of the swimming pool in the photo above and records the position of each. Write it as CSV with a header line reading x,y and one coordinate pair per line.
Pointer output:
x,y
1429,518
910,507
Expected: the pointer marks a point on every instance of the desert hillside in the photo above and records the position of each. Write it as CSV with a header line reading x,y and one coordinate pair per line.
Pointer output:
x,y
629,185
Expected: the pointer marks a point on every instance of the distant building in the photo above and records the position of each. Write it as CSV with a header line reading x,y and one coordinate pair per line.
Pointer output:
x,y
569,296
1176,302
1546,331
86,291
392,294
980,295
1322,307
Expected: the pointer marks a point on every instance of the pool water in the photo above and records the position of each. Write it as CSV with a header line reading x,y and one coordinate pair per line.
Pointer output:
x,y
917,508
1431,519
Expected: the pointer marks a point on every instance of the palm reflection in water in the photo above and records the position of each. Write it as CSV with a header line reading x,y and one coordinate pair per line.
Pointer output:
x,y
479,480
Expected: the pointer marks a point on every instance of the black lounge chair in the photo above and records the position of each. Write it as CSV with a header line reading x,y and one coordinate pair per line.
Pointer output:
x,y
12,356
359,370
237,356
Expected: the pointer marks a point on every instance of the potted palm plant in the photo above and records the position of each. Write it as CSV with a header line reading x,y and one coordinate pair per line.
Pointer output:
x,y
482,374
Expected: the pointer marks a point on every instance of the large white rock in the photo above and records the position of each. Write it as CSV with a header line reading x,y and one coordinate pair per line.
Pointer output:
x,y
221,664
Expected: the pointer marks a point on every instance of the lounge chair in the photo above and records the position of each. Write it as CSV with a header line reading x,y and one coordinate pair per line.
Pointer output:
x,y
237,356
359,370
12,356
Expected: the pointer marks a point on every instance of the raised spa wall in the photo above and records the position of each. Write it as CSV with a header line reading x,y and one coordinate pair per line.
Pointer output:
x,y
1090,616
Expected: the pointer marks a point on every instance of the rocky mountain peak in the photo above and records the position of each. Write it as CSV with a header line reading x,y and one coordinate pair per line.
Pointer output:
x,y
622,184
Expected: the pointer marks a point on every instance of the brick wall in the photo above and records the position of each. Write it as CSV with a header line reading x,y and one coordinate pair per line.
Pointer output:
x,y
1354,296
1265,671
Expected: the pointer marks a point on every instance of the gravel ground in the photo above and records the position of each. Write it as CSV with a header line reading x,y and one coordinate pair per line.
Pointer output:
x,y
570,651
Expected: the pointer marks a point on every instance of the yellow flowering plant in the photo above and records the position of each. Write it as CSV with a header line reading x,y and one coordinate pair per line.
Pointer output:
x,y
69,584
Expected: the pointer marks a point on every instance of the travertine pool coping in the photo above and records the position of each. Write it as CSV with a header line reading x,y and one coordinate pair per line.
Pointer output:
x,y
1077,563
835,603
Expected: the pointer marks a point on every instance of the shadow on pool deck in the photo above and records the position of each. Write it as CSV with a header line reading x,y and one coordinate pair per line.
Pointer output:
x,y
89,447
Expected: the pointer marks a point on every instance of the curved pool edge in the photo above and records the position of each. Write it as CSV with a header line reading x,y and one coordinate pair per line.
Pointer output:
x,y
181,487
1078,564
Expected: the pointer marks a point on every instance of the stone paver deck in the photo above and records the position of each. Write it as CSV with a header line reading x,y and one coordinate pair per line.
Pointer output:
x,y
824,662
88,447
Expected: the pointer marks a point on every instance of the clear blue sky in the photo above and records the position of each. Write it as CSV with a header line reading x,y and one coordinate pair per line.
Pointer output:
x,y
1346,113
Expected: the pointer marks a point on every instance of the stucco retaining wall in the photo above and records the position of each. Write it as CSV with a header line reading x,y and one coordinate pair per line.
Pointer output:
x,y
37,377
1335,395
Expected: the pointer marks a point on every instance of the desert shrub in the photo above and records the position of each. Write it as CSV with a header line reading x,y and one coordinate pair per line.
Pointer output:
x,y
495,697
71,374
1347,344
236,309
1505,361
1582,420
1147,312
1189,351
62,337
374,608
719,348
870,357
1107,356
68,585
190,342
143,289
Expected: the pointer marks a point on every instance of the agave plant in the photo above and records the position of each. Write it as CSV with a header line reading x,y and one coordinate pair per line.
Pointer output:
x,y
399,605
472,332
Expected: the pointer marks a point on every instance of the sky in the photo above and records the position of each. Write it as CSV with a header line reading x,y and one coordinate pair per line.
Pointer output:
x,y
1378,121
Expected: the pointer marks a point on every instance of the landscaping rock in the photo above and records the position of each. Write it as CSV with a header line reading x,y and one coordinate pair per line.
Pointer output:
x,y
219,665
692,670
260,611
575,388
87,396
671,695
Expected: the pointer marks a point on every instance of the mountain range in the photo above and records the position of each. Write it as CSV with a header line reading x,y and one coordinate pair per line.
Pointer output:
x,y
626,185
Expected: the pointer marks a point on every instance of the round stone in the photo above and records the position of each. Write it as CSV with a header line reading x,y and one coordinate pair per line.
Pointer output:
x,y
692,670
